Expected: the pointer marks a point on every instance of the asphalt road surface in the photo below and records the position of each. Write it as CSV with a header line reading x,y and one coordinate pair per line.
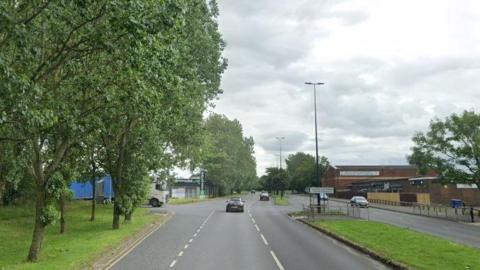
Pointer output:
x,y
203,236
467,234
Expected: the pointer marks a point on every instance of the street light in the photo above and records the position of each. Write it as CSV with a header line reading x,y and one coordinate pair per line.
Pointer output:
x,y
280,140
317,174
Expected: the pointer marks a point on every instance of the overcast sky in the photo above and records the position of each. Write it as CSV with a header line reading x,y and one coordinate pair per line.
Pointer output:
x,y
389,67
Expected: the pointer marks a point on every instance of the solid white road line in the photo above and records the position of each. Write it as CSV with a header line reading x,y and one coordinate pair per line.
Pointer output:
x,y
264,240
186,246
180,254
276,260
173,263
256,227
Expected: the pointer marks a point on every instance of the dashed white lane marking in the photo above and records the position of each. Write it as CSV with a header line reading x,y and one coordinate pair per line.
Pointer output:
x,y
198,230
191,239
253,220
186,246
195,235
173,263
256,227
280,266
180,253
264,240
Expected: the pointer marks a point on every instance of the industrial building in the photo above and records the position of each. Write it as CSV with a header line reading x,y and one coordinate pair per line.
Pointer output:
x,y
401,179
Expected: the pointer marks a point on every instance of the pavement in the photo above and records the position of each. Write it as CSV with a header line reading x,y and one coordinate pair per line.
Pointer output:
x,y
455,231
203,236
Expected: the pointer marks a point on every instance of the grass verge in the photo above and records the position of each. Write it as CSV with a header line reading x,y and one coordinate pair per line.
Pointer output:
x,y
83,242
414,249
280,201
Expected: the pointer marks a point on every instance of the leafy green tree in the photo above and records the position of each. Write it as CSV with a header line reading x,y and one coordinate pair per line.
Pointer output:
x,y
450,147
228,156
301,170
275,180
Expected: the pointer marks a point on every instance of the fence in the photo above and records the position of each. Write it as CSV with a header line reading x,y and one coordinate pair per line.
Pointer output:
x,y
458,214
326,211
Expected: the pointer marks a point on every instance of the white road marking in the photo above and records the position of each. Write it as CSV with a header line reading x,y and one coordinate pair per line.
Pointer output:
x,y
256,227
198,230
180,254
191,239
276,260
173,263
253,220
195,235
186,246
264,240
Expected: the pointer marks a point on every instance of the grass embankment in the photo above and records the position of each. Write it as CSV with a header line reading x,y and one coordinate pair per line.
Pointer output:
x,y
83,241
414,249
186,200
277,200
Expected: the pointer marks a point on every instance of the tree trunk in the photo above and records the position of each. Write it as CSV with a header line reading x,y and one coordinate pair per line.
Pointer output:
x,y
94,190
62,213
94,199
39,229
116,214
128,217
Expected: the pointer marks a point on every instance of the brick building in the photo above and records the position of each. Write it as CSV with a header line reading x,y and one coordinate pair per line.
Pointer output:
x,y
342,177
359,180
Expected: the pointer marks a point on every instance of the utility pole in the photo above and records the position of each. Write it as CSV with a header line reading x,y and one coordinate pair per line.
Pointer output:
x,y
280,140
317,173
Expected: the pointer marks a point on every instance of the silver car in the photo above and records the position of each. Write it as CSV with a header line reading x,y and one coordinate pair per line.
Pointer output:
x,y
359,201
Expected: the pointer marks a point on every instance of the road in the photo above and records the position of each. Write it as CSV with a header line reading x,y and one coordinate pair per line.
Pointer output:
x,y
455,231
203,236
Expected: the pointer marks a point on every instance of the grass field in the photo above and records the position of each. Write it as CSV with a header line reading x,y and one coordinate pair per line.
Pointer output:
x,y
82,242
417,250
280,201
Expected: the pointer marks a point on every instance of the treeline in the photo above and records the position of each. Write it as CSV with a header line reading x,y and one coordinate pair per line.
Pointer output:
x,y
228,156
89,88
299,174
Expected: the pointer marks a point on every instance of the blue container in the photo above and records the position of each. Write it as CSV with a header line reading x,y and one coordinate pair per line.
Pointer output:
x,y
456,203
84,190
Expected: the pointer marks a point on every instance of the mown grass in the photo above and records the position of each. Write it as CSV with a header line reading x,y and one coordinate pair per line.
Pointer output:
x,y
280,201
414,249
83,241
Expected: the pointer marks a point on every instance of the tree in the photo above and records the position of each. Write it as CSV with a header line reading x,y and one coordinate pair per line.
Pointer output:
x,y
450,147
227,156
275,179
301,170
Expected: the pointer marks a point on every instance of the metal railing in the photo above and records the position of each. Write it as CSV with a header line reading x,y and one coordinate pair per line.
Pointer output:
x,y
432,210
313,211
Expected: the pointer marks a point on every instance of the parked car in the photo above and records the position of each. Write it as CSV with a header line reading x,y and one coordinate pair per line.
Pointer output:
x,y
235,204
323,197
359,201
264,196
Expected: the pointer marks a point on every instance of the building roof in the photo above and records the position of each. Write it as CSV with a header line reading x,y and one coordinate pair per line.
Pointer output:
x,y
374,167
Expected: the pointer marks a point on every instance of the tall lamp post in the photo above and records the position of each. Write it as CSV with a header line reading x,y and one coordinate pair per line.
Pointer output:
x,y
280,140
317,173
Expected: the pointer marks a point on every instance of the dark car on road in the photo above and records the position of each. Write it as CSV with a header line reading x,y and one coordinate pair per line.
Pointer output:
x,y
264,196
235,204
359,201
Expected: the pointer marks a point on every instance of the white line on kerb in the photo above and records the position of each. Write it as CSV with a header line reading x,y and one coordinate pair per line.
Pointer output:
x,y
180,254
276,260
256,227
186,246
264,240
173,263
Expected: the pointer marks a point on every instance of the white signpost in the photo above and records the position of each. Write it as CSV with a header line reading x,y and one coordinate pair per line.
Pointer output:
x,y
316,190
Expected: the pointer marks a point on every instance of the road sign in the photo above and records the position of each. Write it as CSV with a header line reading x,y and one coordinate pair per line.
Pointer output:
x,y
326,190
